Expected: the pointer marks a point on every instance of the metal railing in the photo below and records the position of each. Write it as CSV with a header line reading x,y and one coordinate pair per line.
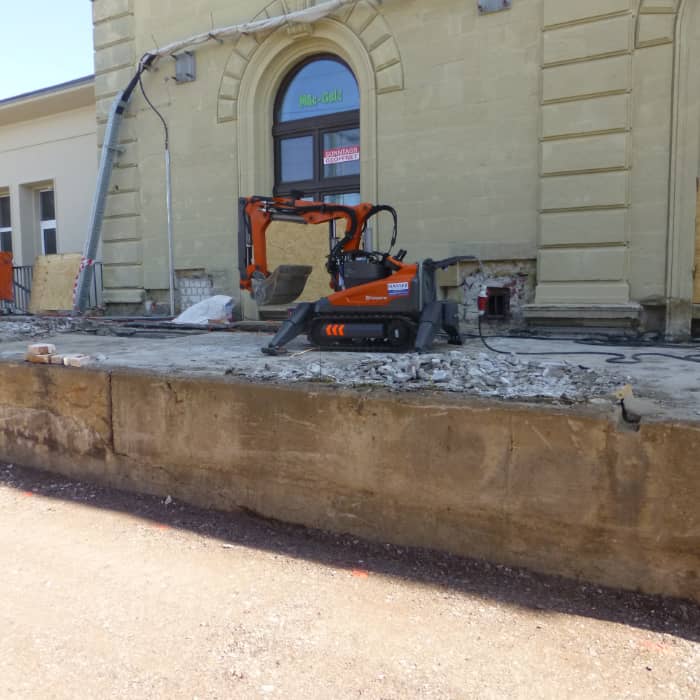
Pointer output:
x,y
22,276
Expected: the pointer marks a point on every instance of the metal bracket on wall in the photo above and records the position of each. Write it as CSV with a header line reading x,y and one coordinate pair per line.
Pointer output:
x,y
488,6
185,67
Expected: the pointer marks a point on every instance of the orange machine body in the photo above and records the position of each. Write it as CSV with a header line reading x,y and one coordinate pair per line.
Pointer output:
x,y
374,294
378,302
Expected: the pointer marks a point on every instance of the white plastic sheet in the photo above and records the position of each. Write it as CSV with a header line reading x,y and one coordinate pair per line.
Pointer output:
x,y
216,309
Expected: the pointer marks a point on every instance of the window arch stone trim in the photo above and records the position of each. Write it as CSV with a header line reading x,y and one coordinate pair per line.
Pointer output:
x,y
260,83
362,18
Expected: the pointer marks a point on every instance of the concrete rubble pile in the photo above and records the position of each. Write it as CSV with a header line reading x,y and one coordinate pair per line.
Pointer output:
x,y
498,376
35,327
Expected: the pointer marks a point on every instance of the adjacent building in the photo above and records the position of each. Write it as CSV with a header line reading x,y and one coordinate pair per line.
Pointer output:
x,y
557,140
48,167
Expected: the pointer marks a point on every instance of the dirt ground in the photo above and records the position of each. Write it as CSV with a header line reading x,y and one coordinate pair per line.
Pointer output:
x,y
111,595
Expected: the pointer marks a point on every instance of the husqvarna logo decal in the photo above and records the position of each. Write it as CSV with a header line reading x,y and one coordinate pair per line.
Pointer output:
x,y
398,289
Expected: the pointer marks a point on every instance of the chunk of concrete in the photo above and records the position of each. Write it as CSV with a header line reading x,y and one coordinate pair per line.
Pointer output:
x,y
77,360
41,349
38,359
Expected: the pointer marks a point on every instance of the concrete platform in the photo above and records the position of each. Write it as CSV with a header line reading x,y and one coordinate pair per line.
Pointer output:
x,y
565,488
669,388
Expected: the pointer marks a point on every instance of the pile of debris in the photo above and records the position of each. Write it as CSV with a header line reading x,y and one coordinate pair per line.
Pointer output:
x,y
34,327
498,376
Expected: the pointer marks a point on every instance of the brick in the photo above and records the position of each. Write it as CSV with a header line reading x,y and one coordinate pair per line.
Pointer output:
x,y
360,17
585,191
589,78
117,55
655,29
603,226
582,293
77,360
41,349
562,11
104,9
582,264
585,116
113,32
589,153
112,82
587,40
38,359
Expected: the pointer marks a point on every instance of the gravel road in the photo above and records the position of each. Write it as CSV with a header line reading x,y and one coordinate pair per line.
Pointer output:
x,y
110,595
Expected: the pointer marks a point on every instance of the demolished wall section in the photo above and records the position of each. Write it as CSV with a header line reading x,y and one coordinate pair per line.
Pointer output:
x,y
463,283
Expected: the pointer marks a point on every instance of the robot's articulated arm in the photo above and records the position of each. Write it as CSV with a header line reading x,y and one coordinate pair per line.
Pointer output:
x,y
256,214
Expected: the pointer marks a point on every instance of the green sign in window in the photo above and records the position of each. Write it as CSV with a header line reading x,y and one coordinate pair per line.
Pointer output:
x,y
326,98
322,87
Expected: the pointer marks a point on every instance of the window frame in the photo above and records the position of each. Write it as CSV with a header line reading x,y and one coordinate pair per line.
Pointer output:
x,y
47,224
315,126
4,230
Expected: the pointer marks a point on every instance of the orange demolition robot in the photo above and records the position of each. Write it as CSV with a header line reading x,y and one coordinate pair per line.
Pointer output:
x,y
378,302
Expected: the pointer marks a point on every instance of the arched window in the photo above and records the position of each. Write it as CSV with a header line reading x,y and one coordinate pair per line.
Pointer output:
x,y
317,132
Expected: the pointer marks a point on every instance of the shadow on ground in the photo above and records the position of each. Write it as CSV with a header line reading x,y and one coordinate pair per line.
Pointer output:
x,y
540,593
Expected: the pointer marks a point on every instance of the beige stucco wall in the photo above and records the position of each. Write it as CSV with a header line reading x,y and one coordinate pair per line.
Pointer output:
x,y
606,115
543,132
56,149
449,128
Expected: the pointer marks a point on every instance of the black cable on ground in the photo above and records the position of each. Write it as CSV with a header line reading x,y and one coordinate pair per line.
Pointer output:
x,y
613,358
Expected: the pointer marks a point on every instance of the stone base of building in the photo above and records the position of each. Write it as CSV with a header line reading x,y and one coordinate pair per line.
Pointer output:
x,y
629,315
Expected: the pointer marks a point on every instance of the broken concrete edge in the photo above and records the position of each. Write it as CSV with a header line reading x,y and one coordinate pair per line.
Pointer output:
x,y
556,490
604,408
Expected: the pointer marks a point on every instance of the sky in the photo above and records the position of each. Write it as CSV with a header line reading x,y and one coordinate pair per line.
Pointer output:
x,y
43,43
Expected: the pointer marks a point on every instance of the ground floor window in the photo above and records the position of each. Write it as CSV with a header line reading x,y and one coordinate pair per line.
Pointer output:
x,y
5,225
47,221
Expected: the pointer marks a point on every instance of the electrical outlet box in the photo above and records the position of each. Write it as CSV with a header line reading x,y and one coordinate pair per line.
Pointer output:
x,y
488,6
185,67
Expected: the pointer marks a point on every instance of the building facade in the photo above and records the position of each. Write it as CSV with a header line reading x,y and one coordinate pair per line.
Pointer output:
x,y
556,140
47,170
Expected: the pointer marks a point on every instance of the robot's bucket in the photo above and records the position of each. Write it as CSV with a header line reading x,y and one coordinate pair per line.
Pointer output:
x,y
283,286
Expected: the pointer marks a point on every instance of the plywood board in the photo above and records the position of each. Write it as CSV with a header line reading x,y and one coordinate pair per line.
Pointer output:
x,y
296,244
52,282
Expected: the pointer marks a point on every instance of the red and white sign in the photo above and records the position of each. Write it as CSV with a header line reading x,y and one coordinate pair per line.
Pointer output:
x,y
341,155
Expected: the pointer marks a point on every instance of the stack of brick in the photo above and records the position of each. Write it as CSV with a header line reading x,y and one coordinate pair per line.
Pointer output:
x,y
45,353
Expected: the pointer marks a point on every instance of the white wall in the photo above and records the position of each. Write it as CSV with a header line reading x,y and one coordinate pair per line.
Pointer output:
x,y
60,148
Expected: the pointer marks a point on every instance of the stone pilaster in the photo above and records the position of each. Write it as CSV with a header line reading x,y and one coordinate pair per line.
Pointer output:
x,y
115,62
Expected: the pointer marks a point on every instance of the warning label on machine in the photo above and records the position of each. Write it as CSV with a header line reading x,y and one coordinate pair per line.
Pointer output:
x,y
398,289
341,155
